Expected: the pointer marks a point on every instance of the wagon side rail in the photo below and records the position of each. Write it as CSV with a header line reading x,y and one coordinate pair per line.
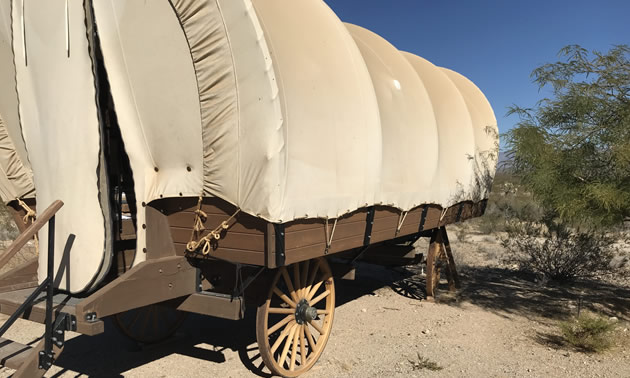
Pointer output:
x,y
34,361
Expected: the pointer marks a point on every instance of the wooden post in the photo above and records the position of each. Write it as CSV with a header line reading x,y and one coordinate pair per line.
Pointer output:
x,y
433,270
454,282
440,253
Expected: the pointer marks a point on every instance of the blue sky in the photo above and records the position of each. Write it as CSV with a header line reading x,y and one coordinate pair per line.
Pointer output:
x,y
494,43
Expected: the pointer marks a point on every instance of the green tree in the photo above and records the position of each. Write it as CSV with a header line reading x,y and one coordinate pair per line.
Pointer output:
x,y
572,150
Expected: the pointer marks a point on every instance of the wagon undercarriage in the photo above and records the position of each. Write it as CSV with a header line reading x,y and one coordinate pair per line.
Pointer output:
x,y
295,301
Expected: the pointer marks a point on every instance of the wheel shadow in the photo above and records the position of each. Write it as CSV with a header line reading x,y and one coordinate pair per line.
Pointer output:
x,y
205,338
508,292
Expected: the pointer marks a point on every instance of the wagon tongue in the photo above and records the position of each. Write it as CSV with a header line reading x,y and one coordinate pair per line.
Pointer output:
x,y
304,313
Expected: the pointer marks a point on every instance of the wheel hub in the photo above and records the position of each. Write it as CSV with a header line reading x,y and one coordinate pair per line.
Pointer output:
x,y
304,313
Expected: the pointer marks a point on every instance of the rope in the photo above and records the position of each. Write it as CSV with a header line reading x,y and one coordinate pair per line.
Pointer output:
x,y
329,238
30,216
443,214
30,213
205,243
401,220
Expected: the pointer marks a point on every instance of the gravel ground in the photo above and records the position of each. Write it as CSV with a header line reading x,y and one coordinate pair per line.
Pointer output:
x,y
500,324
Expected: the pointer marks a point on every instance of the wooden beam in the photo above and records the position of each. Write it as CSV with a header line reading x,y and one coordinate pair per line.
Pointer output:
x,y
28,234
433,271
149,282
454,282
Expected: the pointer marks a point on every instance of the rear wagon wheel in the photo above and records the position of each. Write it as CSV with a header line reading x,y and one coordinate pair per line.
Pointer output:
x,y
149,324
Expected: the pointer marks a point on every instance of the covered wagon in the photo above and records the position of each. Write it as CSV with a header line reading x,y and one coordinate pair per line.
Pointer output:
x,y
205,156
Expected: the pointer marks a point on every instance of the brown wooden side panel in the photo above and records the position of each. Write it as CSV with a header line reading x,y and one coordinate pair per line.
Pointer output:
x,y
432,219
386,222
309,252
306,239
450,216
479,208
243,242
467,211
251,240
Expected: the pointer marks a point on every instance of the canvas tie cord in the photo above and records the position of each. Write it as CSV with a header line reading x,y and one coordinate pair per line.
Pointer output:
x,y
205,242
329,238
30,216
443,214
401,220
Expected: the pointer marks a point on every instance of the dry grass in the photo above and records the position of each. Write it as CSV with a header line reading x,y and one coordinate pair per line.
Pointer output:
x,y
588,333
424,363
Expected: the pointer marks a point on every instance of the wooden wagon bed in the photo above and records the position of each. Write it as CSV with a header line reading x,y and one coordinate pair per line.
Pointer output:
x,y
254,241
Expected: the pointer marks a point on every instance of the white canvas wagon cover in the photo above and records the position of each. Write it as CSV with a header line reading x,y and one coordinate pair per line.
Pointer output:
x,y
275,106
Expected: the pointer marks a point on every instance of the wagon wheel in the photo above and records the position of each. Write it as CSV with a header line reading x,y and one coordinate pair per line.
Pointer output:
x,y
440,256
149,324
294,322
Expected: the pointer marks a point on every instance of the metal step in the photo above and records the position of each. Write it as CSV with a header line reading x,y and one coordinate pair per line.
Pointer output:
x,y
13,354
219,305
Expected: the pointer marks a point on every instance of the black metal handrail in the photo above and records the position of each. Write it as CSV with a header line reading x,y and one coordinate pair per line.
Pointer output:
x,y
48,216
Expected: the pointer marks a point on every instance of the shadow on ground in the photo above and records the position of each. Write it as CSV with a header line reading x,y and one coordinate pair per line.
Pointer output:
x,y
111,354
508,292
501,291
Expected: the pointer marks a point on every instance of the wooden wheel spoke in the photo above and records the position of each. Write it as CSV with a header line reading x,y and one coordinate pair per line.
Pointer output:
x,y
298,281
282,322
317,327
311,340
323,312
147,317
156,320
302,347
311,278
287,281
313,291
319,298
304,277
295,346
281,310
284,297
149,324
280,338
135,319
287,345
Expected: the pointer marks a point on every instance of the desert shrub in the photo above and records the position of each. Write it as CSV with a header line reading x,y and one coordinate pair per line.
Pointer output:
x,y
424,363
557,251
491,222
508,201
588,333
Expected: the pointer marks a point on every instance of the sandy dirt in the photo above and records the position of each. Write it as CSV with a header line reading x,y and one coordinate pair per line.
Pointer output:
x,y
499,324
